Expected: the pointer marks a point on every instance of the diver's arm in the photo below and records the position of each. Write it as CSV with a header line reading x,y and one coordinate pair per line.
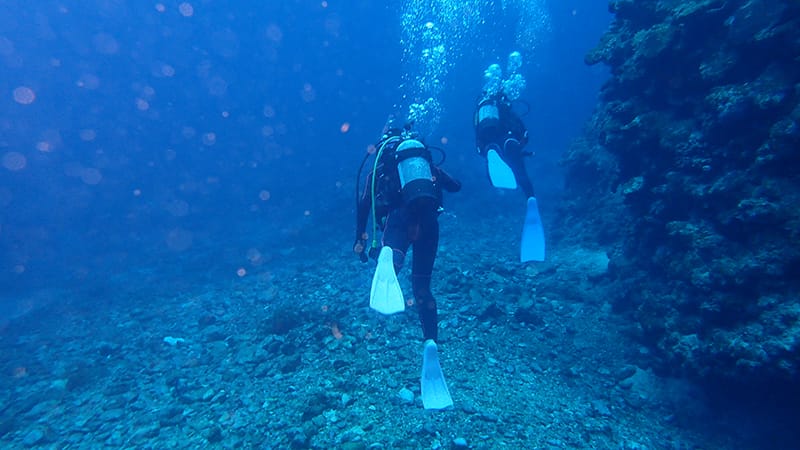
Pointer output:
x,y
448,183
362,213
517,128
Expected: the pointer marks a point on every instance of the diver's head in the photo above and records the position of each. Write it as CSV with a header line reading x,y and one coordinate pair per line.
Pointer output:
x,y
392,126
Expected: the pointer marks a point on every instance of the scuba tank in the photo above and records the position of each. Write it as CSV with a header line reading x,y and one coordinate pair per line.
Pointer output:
x,y
488,114
413,162
401,174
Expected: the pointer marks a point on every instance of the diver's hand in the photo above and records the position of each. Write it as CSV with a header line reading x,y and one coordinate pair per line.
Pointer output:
x,y
359,247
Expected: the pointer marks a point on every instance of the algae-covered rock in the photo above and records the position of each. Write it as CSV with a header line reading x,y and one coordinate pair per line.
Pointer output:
x,y
687,176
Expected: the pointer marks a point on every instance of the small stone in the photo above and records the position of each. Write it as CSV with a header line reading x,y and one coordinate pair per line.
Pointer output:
x,y
490,417
346,400
406,396
214,435
297,438
355,434
112,415
173,341
459,443
600,407
34,437
214,333
319,421
206,320
625,372
147,432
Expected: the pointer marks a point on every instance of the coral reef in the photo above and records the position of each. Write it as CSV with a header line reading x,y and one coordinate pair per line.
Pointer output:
x,y
687,175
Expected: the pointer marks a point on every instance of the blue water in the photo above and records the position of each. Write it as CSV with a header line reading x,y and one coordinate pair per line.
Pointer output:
x,y
160,138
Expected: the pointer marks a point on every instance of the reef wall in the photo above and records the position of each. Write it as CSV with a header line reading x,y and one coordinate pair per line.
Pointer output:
x,y
689,175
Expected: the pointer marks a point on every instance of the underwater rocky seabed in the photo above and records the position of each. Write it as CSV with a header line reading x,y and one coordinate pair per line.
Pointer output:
x,y
674,254
690,167
292,357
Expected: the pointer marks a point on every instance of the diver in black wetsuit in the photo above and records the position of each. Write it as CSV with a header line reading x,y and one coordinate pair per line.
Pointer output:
x,y
405,189
498,127
500,137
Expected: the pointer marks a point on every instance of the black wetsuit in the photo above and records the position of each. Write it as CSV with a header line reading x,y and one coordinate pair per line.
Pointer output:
x,y
508,136
407,225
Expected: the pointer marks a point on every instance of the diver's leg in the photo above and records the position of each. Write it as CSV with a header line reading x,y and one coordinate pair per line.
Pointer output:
x,y
395,235
512,155
425,247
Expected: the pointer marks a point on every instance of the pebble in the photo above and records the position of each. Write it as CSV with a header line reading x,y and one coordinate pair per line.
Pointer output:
x,y
625,372
346,400
460,442
406,396
34,437
112,415
601,408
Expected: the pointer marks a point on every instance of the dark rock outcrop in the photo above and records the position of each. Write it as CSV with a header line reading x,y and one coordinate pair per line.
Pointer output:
x,y
688,176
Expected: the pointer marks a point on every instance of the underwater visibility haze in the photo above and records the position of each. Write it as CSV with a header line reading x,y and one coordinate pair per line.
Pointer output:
x,y
177,217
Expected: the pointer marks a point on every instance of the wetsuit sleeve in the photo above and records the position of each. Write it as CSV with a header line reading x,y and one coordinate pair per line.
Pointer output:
x,y
364,206
517,128
448,183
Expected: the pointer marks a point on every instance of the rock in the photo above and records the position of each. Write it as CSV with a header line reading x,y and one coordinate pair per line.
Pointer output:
x,y
34,437
625,372
6,425
468,408
459,443
354,435
214,333
146,432
346,400
206,320
170,416
489,417
297,438
214,435
112,415
529,316
491,312
107,349
686,216
406,396
600,407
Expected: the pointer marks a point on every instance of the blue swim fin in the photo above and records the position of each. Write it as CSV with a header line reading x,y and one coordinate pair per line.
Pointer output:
x,y
499,173
532,248
435,394
386,297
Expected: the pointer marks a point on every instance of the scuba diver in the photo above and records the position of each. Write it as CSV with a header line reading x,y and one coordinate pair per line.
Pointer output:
x,y
403,198
500,137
